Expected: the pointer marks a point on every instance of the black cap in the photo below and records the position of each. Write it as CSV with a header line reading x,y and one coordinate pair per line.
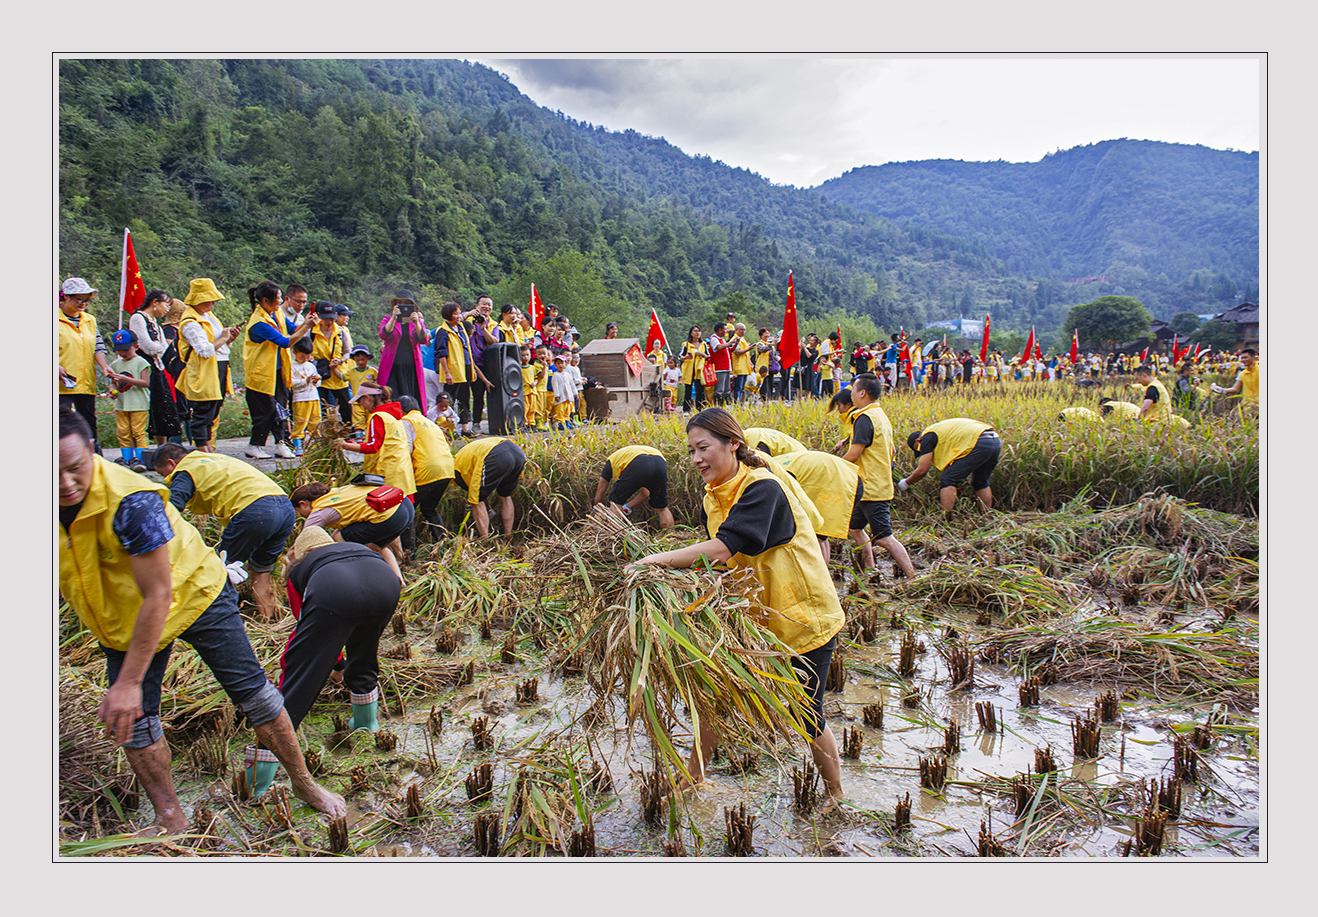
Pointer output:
x,y
325,309
341,309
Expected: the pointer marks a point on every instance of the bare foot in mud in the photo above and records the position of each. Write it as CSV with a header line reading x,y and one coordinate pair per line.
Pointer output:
x,y
321,799
161,828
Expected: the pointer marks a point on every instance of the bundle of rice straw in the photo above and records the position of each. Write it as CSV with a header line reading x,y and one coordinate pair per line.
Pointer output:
x,y
685,637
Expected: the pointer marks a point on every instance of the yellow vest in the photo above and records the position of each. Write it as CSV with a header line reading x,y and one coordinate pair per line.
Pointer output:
x,y
1249,382
779,443
96,573
694,368
432,457
259,359
225,486
623,457
393,461
355,377
1162,408
470,463
350,503
830,483
792,486
657,356
875,463
511,334
77,352
761,359
459,352
797,602
1078,414
1123,410
330,348
741,362
200,379
956,438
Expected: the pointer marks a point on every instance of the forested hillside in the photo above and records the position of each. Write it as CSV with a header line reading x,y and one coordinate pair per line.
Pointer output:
x,y
1176,226
354,177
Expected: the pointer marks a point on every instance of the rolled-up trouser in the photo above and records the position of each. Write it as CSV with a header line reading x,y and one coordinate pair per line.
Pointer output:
x,y
812,669
220,640
346,605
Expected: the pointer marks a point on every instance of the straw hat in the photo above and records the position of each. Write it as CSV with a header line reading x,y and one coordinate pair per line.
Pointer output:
x,y
201,290
312,537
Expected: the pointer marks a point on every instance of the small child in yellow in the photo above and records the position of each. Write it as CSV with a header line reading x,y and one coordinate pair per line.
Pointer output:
x,y
445,417
130,375
363,371
306,397
529,397
542,396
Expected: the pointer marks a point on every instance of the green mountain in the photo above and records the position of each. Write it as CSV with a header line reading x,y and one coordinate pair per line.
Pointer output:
x,y
1176,226
354,177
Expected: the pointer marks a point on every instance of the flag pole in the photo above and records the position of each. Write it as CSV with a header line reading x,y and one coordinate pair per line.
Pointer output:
x,y
123,277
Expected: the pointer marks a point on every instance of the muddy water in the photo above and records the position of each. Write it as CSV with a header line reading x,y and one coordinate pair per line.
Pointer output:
x,y
1102,796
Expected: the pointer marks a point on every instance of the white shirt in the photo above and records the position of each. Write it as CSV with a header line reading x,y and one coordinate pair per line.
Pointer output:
x,y
302,373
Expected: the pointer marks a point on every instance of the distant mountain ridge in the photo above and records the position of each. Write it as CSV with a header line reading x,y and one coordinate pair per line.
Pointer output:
x,y
1130,209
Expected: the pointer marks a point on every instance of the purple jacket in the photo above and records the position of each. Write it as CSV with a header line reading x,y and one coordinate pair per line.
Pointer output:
x,y
391,343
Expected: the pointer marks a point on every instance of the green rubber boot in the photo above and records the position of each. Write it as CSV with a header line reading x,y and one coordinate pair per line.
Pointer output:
x,y
364,709
261,766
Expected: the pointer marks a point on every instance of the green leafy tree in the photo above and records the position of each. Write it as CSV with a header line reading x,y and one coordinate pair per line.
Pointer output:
x,y
1220,335
572,281
1109,320
1184,322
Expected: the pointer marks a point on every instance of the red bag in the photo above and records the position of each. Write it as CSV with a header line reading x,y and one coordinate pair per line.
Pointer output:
x,y
383,498
710,374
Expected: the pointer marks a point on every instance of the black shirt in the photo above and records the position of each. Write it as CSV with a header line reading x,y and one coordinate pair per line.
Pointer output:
x,y
760,520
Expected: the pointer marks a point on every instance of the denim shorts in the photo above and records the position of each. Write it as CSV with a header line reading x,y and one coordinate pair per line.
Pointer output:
x,y
258,533
219,638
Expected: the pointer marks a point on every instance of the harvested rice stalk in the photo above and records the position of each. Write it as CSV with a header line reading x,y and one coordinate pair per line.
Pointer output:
x,y
95,782
689,638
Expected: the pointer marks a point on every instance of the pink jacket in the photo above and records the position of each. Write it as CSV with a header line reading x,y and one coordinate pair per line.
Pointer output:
x,y
391,344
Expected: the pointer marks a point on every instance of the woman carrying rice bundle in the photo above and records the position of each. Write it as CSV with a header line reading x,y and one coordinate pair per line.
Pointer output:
x,y
753,521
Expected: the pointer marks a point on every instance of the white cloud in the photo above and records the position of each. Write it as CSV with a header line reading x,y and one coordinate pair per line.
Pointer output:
x,y
801,120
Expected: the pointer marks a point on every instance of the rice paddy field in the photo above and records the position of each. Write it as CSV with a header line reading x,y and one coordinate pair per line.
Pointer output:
x,y
1073,675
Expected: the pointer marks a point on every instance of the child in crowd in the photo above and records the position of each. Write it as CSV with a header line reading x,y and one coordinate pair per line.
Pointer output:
x,y
130,375
579,383
445,417
361,372
672,382
543,369
529,399
563,393
306,397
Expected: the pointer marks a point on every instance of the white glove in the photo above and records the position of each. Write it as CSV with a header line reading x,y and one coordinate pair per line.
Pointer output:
x,y
1217,389
902,485
237,572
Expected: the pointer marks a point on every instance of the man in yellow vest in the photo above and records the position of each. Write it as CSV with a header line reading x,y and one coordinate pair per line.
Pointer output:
x,y
959,448
1157,406
257,513
1247,380
139,576
871,450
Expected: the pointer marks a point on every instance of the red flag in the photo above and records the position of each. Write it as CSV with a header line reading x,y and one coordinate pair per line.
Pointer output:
x,y
132,291
1029,345
839,334
1144,356
789,348
1075,346
535,309
1038,351
983,345
656,333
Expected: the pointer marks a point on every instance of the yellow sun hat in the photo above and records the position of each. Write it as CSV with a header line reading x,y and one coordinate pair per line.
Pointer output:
x,y
201,290
312,537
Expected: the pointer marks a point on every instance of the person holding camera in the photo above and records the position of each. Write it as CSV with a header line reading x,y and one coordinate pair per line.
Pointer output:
x,y
402,332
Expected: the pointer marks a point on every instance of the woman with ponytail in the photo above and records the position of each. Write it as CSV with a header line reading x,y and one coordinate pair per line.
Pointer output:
x,y
267,365
753,521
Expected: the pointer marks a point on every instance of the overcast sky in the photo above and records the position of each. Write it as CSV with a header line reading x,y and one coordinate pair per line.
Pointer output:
x,y
801,120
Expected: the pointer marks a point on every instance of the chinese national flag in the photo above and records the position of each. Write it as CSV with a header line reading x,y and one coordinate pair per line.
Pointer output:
x,y
132,291
1038,351
1144,356
535,309
983,345
789,348
1029,345
656,333
1075,346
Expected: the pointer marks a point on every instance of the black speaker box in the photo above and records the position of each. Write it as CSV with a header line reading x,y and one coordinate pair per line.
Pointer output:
x,y
505,406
